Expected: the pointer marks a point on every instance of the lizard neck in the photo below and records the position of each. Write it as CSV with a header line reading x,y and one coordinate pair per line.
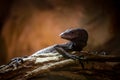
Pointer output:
x,y
78,45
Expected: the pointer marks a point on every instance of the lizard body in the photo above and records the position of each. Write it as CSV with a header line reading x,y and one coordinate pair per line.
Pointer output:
x,y
77,41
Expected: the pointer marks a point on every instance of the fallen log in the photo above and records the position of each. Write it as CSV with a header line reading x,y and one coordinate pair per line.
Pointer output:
x,y
43,65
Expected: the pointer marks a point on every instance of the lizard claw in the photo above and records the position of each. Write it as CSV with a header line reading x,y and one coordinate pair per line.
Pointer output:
x,y
74,57
15,62
81,61
12,65
66,54
82,64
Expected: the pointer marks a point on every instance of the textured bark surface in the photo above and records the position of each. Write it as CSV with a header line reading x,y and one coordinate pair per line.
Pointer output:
x,y
52,66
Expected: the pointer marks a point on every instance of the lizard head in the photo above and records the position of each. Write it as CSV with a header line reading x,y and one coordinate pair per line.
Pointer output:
x,y
75,34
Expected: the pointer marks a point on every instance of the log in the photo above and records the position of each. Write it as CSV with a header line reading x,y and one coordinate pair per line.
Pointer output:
x,y
49,66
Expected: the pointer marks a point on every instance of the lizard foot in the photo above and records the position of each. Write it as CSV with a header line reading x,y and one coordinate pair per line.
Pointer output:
x,y
12,65
74,57
82,61
15,62
65,54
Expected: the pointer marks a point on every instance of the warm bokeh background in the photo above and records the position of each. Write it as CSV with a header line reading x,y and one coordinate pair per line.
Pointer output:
x,y
30,25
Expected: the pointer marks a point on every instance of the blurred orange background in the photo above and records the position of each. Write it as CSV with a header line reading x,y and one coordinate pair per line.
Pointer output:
x,y
29,25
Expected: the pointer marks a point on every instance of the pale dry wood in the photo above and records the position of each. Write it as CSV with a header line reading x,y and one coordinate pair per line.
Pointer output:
x,y
48,62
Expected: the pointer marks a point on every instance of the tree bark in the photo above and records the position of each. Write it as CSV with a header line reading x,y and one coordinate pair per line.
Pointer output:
x,y
53,66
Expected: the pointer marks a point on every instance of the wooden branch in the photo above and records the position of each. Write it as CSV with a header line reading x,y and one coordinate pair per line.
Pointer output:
x,y
44,64
86,56
103,59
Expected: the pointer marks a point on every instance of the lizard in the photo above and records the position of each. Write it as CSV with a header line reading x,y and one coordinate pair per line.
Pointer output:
x,y
77,38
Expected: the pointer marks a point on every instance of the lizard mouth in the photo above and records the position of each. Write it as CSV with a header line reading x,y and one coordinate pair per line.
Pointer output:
x,y
66,36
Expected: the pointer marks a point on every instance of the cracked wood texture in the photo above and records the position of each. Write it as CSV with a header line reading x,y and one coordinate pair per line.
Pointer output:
x,y
52,66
